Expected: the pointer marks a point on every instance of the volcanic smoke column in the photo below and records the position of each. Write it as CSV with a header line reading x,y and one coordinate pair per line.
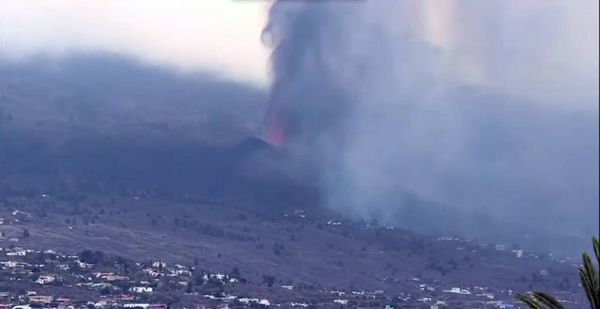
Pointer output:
x,y
398,99
305,104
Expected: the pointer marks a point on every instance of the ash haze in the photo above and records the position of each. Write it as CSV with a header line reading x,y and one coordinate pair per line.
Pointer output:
x,y
486,108
446,116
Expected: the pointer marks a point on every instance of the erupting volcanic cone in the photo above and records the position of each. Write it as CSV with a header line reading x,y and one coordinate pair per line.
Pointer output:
x,y
276,128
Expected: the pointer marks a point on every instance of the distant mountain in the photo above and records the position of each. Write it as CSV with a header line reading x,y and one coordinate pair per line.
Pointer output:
x,y
107,125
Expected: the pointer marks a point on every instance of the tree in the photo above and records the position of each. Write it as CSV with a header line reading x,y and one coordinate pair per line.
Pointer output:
x,y
269,280
26,233
235,273
199,280
190,288
589,280
91,257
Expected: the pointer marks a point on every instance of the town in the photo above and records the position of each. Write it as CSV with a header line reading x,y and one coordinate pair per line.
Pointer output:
x,y
31,278
47,279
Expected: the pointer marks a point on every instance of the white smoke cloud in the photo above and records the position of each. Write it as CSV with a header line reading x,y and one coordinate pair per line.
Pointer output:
x,y
486,105
543,51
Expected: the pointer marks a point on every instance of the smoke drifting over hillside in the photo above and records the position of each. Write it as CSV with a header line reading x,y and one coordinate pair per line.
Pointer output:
x,y
483,105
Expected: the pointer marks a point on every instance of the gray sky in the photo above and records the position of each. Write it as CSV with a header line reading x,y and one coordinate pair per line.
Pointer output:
x,y
540,50
549,49
219,35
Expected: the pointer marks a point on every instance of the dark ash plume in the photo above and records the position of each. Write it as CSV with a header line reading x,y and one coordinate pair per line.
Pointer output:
x,y
416,131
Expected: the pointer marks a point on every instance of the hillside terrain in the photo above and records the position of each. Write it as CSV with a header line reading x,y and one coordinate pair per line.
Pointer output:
x,y
105,155
315,251
104,124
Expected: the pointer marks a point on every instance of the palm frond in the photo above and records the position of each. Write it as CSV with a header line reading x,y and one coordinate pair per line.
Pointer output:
x,y
548,300
530,302
589,281
596,249
540,300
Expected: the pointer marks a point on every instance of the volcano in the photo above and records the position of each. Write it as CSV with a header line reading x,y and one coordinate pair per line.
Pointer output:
x,y
275,131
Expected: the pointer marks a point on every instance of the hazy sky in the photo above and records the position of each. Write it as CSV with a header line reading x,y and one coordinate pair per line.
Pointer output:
x,y
548,49
219,35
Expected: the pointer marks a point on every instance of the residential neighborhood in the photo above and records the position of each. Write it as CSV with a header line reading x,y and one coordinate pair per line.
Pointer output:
x,y
47,279
36,273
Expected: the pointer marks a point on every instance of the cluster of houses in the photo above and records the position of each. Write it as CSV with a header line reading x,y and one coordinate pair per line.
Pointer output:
x,y
40,271
519,253
110,287
48,268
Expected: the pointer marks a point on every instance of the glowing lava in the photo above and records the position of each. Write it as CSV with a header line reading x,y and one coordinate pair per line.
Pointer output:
x,y
275,128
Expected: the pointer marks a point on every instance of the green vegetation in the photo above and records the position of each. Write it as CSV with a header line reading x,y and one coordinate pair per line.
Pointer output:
x,y
589,282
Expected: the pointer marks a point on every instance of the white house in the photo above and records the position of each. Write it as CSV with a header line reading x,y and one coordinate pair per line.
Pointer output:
x,y
141,289
45,280
136,306
264,302
458,291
